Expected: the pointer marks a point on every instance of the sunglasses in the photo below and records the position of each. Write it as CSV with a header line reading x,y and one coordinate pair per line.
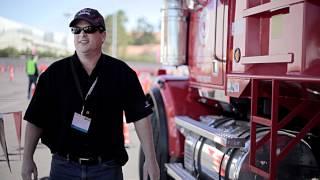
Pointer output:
x,y
87,29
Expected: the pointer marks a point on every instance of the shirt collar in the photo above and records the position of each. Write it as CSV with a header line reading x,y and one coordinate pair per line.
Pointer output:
x,y
80,69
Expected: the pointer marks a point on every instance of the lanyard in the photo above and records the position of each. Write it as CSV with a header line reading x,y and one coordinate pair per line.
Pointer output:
x,y
76,79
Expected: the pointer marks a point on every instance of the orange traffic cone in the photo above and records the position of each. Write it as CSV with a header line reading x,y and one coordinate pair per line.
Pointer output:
x,y
126,134
145,81
11,73
33,88
2,69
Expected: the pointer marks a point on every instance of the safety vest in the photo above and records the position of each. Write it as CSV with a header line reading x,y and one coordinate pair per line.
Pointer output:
x,y
31,67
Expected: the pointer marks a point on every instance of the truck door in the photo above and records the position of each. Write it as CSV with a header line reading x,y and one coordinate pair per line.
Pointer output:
x,y
207,44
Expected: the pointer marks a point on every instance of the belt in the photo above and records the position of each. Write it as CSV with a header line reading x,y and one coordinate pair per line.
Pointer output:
x,y
89,161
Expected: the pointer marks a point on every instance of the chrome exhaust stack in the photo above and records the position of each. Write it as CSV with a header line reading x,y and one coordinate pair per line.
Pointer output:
x,y
174,33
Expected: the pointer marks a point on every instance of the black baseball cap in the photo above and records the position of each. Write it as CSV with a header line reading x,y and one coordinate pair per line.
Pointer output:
x,y
92,16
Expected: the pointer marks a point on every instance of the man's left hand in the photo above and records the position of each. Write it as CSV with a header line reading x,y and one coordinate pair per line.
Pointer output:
x,y
151,168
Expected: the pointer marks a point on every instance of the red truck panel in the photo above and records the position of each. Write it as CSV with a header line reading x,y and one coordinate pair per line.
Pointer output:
x,y
277,37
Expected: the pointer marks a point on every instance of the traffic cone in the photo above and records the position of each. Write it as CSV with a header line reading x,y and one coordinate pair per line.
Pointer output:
x,y
11,73
2,69
33,88
145,81
126,134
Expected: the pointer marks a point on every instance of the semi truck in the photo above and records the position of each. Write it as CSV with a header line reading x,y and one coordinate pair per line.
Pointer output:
x,y
238,96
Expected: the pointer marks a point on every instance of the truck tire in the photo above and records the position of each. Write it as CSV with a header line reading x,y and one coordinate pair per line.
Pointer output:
x,y
160,134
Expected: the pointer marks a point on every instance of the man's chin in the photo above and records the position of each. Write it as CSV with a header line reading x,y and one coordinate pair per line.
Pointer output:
x,y
83,50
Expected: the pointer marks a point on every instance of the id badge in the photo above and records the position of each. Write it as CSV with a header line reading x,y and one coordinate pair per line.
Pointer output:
x,y
81,123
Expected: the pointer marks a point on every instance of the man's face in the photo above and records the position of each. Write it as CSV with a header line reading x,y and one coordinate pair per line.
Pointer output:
x,y
88,42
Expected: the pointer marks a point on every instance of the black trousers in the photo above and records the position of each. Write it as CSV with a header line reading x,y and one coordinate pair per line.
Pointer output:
x,y
32,80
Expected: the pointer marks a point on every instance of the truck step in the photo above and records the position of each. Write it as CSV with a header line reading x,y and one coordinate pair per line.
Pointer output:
x,y
219,136
176,171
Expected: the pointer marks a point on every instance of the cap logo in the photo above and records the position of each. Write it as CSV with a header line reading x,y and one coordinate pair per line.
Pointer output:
x,y
92,16
84,11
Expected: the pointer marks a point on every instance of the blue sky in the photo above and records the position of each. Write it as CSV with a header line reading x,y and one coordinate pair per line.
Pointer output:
x,y
49,15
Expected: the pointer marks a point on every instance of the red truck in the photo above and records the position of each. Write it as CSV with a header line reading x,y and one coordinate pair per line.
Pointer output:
x,y
244,99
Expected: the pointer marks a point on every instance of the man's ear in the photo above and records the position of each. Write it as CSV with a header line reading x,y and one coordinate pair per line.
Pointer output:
x,y
104,36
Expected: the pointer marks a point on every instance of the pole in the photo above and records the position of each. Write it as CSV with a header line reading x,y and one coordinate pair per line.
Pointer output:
x,y
114,35
67,16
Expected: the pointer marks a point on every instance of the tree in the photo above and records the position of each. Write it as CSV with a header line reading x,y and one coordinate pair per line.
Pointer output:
x,y
143,34
9,52
122,35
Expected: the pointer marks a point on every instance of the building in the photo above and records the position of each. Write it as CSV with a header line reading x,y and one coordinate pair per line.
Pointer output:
x,y
24,37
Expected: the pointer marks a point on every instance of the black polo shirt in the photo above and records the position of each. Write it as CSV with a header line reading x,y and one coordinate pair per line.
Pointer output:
x,y
57,98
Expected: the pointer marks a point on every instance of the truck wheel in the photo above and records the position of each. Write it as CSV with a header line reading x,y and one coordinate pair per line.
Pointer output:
x,y
160,134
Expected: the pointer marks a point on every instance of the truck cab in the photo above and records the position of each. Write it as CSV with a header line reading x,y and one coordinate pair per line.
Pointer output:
x,y
248,105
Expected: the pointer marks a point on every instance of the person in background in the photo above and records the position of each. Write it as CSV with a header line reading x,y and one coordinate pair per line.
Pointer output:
x,y
32,72
77,111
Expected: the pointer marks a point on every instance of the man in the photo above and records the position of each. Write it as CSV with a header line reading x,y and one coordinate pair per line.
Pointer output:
x,y
78,106
32,72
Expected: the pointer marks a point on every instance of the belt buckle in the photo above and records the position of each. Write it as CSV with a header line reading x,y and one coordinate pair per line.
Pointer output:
x,y
81,160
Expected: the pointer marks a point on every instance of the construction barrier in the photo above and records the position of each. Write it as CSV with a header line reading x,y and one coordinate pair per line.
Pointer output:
x,y
17,116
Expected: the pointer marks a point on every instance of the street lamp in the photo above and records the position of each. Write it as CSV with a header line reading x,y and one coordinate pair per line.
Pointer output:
x,y
67,16
114,34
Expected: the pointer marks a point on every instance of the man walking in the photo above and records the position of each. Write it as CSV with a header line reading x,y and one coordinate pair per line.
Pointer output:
x,y
32,72
78,106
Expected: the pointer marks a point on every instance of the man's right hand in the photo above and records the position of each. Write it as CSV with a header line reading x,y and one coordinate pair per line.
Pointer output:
x,y
28,169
